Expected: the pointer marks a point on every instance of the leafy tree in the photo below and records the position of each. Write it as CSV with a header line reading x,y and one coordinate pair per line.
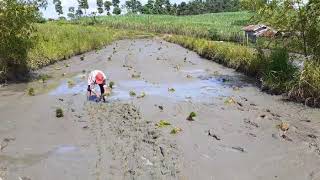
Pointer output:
x,y
174,9
116,10
71,12
133,6
107,6
297,19
313,28
159,7
58,6
116,3
148,8
83,4
167,5
100,6
182,8
79,12
16,27
253,5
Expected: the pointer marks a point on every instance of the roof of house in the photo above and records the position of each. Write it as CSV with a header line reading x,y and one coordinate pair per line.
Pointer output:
x,y
254,27
268,32
261,30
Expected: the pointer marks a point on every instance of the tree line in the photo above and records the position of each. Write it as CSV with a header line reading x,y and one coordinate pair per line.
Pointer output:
x,y
163,7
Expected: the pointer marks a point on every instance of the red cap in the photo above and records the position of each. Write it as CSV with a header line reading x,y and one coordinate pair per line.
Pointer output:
x,y
99,78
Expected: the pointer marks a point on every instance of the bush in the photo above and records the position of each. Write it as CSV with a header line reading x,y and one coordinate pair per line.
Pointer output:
x,y
16,18
280,72
307,87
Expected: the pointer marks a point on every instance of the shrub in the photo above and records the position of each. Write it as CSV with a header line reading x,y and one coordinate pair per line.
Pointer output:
x,y
280,72
16,18
307,87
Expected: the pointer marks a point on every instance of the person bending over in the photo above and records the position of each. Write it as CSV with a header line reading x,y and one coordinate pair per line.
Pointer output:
x,y
99,78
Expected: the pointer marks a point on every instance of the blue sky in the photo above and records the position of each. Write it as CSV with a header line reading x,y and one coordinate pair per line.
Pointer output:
x,y
51,13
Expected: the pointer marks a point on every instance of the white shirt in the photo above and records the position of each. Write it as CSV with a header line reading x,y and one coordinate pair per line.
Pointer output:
x,y
92,77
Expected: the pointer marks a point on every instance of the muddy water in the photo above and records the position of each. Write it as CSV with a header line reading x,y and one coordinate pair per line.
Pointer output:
x,y
234,136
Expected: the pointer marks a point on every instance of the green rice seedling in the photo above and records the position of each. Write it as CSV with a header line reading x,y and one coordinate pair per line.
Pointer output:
x,y
132,93
175,130
163,123
171,90
70,83
59,113
136,76
191,116
142,95
31,92
44,77
111,84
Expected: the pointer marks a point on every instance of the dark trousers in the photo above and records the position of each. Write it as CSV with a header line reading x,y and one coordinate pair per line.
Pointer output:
x,y
101,90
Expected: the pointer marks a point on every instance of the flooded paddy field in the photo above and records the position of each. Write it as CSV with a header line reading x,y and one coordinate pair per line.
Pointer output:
x,y
238,132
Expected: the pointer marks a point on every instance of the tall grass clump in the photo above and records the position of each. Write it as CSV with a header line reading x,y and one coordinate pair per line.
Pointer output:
x,y
279,74
232,55
61,41
307,88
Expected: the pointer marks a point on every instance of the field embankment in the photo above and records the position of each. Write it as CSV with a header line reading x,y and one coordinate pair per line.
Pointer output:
x,y
225,26
275,72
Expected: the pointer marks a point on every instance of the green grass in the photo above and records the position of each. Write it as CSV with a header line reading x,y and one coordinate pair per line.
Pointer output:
x,y
57,41
307,87
232,55
227,25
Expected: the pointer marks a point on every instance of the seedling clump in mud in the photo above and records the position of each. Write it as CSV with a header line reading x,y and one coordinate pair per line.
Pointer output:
x,y
31,92
132,93
70,83
44,77
171,90
175,130
163,123
59,113
142,95
111,84
191,116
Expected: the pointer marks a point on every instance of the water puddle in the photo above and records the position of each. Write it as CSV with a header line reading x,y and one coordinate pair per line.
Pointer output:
x,y
198,89
65,149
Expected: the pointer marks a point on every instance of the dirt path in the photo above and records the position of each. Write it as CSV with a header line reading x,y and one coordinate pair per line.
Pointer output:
x,y
234,136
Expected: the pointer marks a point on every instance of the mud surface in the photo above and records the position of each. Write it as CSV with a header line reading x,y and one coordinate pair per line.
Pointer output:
x,y
238,133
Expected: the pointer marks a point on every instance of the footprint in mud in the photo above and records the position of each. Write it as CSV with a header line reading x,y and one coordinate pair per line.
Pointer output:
x,y
135,142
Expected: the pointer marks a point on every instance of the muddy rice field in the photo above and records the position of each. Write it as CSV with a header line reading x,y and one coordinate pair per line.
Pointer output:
x,y
239,132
